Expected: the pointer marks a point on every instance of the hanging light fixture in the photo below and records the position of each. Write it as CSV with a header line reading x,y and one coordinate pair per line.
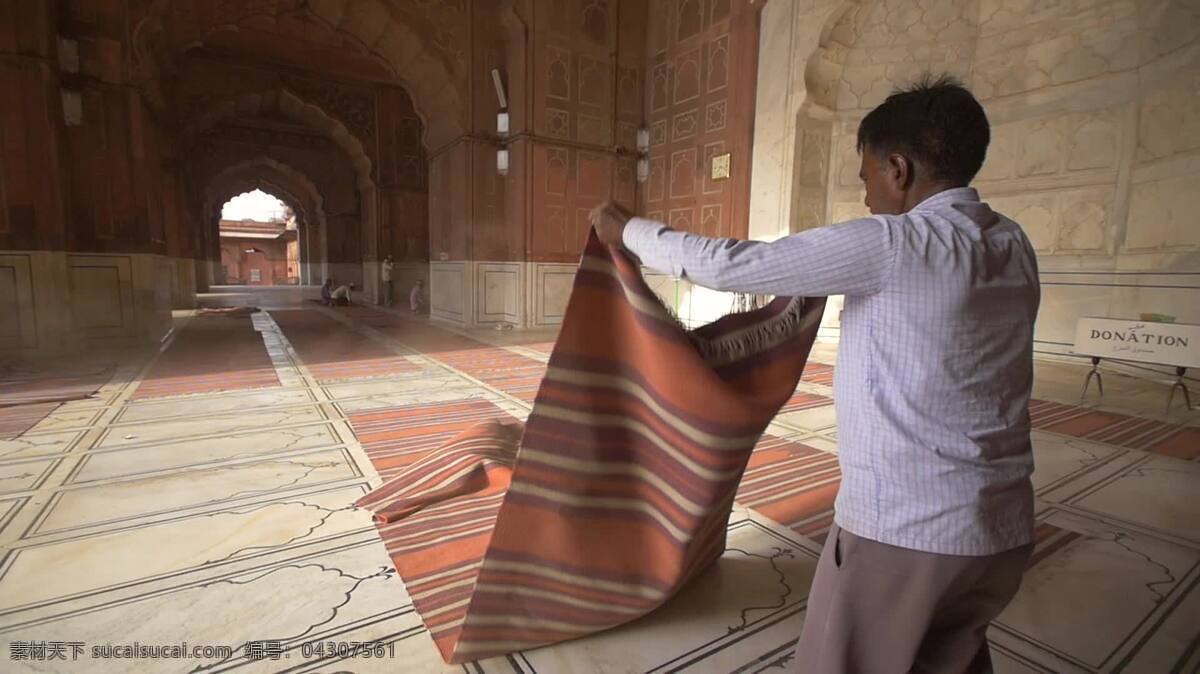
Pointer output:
x,y
643,150
502,162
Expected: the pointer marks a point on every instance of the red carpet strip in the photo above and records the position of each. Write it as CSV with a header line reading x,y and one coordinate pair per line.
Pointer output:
x,y
818,373
802,400
211,353
28,393
395,437
50,386
544,347
793,484
334,351
514,374
1150,435
18,419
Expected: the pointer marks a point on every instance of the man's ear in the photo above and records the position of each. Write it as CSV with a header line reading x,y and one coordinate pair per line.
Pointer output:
x,y
900,171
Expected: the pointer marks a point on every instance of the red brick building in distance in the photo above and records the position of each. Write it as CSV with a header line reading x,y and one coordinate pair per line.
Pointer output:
x,y
259,253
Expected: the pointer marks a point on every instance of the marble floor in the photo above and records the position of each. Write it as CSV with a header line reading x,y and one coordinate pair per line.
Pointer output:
x,y
188,502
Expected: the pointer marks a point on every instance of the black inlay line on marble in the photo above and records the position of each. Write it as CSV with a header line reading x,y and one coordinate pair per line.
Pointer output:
x,y
1162,617
234,661
776,657
368,535
1094,465
724,641
1042,645
1022,658
181,512
1080,272
1136,632
300,490
185,587
781,617
1119,285
241,457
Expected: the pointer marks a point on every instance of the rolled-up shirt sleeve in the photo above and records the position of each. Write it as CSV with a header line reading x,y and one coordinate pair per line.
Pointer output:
x,y
851,258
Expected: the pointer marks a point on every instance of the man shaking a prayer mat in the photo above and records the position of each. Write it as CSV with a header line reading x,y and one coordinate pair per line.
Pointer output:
x,y
933,521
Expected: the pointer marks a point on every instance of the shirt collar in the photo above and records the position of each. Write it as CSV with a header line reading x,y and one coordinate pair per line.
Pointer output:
x,y
944,198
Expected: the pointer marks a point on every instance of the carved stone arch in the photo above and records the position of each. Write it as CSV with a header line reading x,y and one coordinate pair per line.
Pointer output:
x,y
823,71
266,171
374,25
288,104
285,182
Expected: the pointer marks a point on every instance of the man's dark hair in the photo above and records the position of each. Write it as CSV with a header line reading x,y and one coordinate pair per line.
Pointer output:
x,y
935,122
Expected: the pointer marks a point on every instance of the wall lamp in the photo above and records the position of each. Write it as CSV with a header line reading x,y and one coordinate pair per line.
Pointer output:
x,y
501,123
643,152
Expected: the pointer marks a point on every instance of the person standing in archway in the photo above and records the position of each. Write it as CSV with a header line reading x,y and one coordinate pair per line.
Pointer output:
x,y
933,523
385,277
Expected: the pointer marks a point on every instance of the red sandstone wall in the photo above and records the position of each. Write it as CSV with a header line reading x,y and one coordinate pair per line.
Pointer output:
x,y
699,104
585,103
272,262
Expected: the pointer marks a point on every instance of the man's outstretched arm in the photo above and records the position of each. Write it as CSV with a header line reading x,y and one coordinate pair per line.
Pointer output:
x,y
852,258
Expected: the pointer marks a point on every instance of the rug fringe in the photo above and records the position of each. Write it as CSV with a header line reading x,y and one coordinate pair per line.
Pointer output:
x,y
747,342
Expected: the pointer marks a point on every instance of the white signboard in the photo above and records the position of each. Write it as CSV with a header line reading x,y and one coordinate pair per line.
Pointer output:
x,y
1175,344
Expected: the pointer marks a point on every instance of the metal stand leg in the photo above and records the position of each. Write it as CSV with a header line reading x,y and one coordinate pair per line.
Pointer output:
x,y
1099,380
1187,397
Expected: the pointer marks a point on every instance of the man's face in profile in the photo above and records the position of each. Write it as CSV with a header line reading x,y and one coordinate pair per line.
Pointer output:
x,y
885,195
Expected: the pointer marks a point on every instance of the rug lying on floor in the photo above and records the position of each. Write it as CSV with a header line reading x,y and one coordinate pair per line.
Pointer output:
x,y
232,312
618,489
29,392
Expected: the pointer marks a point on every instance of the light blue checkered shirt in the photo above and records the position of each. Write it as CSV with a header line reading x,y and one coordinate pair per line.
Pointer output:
x,y
934,368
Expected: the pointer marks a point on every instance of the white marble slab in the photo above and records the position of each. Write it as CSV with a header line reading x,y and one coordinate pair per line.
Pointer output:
x,y
143,433
1090,604
817,419
32,445
1059,459
1159,492
345,596
53,571
169,455
150,410
15,477
163,496
398,385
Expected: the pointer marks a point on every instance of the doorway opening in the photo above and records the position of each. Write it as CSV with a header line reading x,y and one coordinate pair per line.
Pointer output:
x,y
260,241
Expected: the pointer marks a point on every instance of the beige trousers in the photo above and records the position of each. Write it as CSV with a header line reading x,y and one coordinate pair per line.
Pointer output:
x,y
876,608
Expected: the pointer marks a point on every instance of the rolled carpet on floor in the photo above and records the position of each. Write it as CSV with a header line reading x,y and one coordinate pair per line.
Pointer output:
x,y
618,489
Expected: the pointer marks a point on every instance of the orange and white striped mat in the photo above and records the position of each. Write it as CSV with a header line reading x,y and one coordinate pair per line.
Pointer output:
x,y
617,490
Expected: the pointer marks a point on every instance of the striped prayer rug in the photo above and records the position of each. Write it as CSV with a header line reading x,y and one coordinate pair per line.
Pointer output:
x,y
1150,435
618,490
210,353
818,373
395,437
793,484
802,400
17,419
